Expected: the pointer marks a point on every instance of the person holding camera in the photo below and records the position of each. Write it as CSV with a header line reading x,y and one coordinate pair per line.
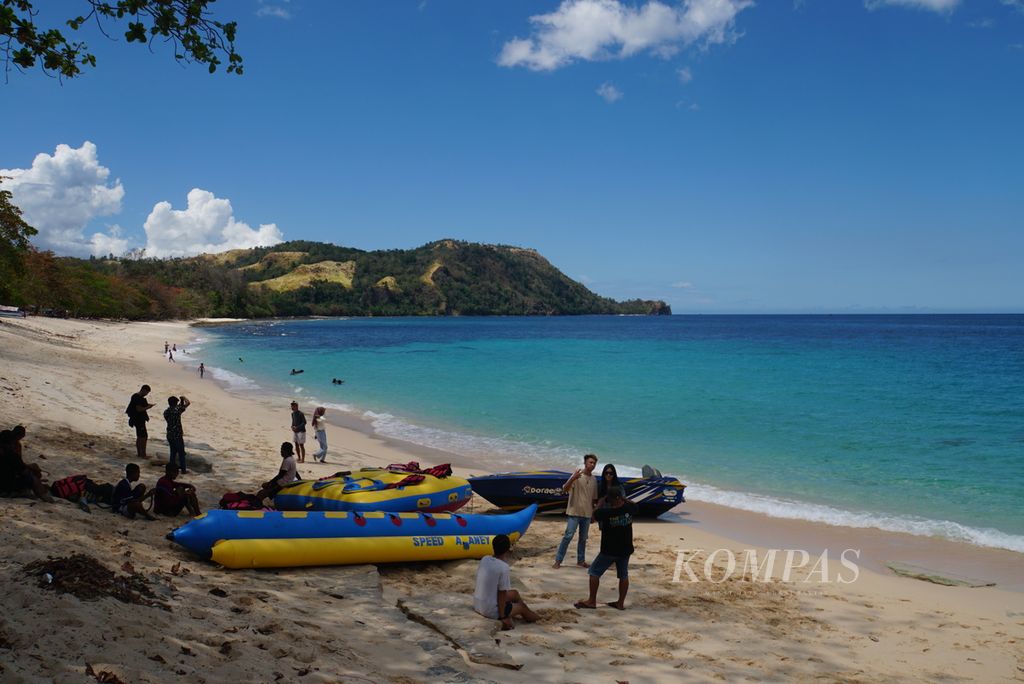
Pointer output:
x,y
175,435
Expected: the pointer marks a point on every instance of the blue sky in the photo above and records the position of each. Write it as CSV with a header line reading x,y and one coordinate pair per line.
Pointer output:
x,y
722,155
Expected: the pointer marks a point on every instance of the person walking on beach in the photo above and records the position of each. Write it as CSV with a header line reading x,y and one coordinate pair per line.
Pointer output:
x,y
286,474
202,371
616,547
299,432
137,418
494,596
582,490
175,433
320,432
170,357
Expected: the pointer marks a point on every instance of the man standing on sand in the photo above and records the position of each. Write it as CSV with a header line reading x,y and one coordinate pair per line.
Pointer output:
x,y
202,371
137,418
494,596
582,490
299,432
616,547
175,433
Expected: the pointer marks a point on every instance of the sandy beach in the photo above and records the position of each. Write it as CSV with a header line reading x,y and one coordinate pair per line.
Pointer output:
x,y
68,382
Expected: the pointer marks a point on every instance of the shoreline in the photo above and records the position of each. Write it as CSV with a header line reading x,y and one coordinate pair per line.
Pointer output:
x,y
940,553
67,381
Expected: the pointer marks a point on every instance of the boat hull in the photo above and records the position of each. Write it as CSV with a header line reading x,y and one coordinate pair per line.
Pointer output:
x,y
277,539
513,491
367,490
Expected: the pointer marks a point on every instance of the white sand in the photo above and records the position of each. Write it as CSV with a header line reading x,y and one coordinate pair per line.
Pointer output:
x,y
69,381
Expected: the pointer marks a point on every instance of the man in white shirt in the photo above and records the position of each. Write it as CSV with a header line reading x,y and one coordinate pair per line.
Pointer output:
x,y
287,474
494,596
582,490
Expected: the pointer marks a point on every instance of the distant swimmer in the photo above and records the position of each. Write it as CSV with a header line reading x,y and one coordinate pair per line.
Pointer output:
x,y
241,360
296,372
336,381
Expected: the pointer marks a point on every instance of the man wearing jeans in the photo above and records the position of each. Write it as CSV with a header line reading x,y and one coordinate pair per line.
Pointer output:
x,y
582,490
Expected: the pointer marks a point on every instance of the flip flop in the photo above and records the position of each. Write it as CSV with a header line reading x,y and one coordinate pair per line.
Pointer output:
x,y
615,605
582,605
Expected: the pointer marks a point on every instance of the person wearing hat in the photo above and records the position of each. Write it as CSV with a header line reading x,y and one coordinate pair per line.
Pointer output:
x,y
616,546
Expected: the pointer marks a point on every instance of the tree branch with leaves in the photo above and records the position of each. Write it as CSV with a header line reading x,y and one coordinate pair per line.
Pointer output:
x,y
187,24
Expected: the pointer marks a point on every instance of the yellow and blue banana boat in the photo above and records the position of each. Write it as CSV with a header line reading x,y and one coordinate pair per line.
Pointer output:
x,y
375,489
281,539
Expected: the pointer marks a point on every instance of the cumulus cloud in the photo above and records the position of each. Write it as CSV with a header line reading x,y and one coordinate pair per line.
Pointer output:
x,y
272,9
609,92
61,194
933,5
207,224
609,29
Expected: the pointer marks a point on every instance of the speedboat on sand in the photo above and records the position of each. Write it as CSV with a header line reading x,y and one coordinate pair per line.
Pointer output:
x,y
654,494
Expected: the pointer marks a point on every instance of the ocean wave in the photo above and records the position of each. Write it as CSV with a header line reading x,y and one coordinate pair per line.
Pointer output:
x,y
233,381
819,513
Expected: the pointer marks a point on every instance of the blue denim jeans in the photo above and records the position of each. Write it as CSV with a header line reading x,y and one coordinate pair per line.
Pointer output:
x,y
572,523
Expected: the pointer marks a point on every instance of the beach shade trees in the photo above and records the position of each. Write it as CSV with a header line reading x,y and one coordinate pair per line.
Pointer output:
x,y
186,24
14,235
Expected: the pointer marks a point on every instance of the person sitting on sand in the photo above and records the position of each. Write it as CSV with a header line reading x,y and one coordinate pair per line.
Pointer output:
x,y
616,547
582,490
286,475
17,476
494,596
130,502
170,496
137,418
320,431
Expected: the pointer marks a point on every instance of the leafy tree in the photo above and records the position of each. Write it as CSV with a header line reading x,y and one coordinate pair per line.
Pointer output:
x,y
14,235
186,24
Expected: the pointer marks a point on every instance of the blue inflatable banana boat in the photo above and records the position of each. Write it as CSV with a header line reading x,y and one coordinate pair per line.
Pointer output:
x,y
278,539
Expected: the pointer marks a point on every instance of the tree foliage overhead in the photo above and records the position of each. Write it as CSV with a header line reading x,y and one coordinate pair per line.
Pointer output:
x,y
186,24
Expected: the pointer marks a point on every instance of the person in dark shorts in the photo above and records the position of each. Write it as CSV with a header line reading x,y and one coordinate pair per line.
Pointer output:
x,y
137,418
616,546
129,501
494,596
171,497
299,432
175,433
285,475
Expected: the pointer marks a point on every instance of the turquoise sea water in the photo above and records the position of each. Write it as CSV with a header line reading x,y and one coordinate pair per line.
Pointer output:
x,y
911,423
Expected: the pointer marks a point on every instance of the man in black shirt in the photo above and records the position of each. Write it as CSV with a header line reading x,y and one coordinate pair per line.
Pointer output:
x,y
137,418
616,546
299,432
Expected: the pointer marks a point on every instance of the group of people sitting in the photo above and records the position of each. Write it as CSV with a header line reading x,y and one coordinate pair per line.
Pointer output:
x,y
169,497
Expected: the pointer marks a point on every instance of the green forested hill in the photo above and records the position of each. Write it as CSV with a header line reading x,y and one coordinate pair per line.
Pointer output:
x,y
447,278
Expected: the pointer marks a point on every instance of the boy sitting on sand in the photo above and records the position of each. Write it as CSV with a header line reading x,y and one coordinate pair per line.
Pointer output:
x,y
170,496
494,596
131,502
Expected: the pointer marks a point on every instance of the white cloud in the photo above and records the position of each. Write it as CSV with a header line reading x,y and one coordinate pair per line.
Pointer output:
x,y
1016,4
933,5
61,194
102,244
206,225
981,23
609,92
685,75
269,9
608,29
683,285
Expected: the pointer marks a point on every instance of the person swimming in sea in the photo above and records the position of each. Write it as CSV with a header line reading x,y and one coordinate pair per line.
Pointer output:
x,y
296,372
336,381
